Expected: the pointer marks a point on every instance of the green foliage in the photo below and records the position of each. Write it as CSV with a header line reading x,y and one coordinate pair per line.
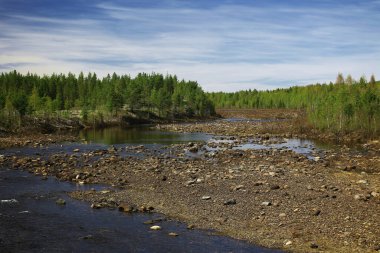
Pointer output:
x,y
32,94
342,107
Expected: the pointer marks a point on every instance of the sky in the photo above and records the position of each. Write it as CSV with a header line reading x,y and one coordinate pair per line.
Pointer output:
x,y
224,45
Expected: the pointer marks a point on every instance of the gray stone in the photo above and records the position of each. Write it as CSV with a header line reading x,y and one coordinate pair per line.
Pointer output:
x,y
230,202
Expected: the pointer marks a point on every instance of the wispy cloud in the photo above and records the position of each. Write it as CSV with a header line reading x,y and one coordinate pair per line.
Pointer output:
x,y
222,46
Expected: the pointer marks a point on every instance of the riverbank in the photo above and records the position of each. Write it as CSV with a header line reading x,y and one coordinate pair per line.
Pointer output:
x,y
268,122
271,197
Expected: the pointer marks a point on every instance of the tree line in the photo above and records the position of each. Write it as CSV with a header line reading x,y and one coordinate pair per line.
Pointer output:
x,y
164,96
344,106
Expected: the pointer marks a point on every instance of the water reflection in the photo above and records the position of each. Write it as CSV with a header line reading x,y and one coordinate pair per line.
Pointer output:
x,y
139,135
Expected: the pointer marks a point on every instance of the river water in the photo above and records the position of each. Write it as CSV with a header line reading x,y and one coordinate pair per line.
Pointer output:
x,y
31,221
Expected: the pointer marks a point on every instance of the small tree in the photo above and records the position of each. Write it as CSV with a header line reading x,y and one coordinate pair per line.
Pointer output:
x,y
339,79
372,81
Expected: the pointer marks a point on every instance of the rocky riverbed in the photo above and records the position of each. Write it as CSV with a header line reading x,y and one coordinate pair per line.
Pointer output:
x,y
273,197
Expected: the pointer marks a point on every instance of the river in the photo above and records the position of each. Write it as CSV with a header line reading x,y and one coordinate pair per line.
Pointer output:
x,y
31,221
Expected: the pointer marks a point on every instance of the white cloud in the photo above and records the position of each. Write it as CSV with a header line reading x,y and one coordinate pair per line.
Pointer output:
x,y
225,48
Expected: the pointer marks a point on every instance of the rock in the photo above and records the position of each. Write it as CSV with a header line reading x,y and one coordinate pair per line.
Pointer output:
x,y
266,203
229,202
126,208
375,194
238,187
199,180
361,197
112,149
193,149
362,181
173,234
191,182
317,212
282,215
145,209
155,227
288,242
86,237
96,206
313,245
206,197
9,201
60,202
76,150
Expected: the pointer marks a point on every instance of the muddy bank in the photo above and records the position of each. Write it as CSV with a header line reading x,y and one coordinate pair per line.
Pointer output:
x,y
275,198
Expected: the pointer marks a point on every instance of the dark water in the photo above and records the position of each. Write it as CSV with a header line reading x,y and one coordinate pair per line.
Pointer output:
x,y
35,223
139,135
155,138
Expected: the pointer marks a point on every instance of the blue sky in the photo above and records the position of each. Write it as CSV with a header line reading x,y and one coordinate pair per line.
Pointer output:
x,y
225,45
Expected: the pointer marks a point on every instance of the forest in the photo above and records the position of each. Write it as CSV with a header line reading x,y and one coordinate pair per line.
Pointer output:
x,y
341,107
63,95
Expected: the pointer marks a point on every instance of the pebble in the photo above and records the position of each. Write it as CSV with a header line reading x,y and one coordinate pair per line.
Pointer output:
x,y
229,202
86,237
96,206
61,202
266,203
313,245
173,234
362,181
191,182
275,187
76,150
288,242
282,215
317,212
361,197
238,187
206,197
155,227
126,208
